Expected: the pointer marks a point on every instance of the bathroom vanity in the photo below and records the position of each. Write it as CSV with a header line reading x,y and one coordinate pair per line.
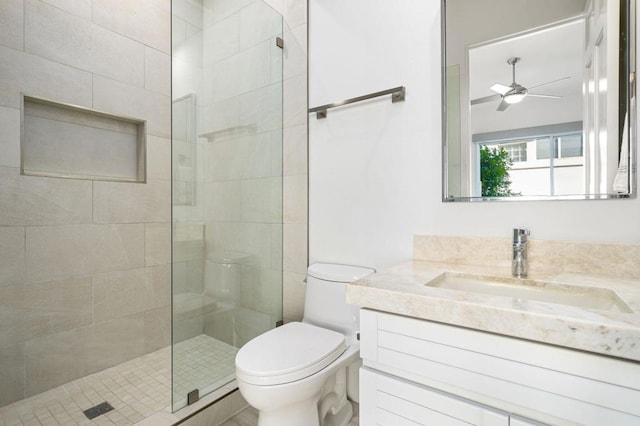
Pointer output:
x,y
455,345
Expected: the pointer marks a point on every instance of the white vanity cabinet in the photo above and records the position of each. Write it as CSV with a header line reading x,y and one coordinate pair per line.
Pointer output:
x,y
388,400
418,372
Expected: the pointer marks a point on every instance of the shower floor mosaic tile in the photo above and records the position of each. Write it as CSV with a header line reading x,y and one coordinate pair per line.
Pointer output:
x,y
202,363
136,389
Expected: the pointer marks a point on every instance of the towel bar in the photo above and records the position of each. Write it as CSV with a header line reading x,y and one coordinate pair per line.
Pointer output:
x,y
397,95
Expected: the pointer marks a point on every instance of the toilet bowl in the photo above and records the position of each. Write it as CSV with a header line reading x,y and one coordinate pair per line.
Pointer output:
x,y
303,372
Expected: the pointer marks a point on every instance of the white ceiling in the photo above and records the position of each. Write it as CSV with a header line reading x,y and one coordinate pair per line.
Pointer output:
x,y
546,55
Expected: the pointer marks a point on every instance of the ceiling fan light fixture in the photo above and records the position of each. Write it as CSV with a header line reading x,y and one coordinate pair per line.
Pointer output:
x,y
514,98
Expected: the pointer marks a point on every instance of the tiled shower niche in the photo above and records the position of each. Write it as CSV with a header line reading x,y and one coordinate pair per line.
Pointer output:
x,y
60,140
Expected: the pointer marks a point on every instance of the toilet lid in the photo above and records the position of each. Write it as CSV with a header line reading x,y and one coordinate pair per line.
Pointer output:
x,y
288,353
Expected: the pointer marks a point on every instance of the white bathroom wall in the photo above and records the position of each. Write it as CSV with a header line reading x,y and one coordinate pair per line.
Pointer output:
x,y
370,166
375,169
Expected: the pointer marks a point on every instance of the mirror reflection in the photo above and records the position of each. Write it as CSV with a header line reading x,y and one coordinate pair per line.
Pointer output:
x,y
536,99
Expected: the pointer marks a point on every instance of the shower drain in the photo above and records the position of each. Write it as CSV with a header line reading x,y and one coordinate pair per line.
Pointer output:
x,y
98,410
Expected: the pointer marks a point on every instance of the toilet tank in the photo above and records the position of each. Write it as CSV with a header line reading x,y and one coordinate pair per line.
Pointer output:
x,y
325,304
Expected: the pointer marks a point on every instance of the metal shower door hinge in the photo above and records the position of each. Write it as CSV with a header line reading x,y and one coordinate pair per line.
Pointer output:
x,y
280,42
193,396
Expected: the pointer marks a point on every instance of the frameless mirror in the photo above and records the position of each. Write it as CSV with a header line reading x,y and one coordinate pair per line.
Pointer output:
x,y
537,96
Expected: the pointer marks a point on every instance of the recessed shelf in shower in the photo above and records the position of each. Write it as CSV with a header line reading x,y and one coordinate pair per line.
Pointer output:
x,y
61,140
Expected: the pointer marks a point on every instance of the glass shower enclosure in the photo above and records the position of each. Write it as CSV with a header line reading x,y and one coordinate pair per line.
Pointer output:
x,y
227,62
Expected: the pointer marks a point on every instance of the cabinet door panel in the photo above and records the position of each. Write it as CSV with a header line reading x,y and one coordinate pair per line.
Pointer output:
x,y
388,400
416,413
518,421
386,418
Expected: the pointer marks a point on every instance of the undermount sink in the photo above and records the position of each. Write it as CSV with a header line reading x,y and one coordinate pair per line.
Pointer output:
x,y
534,290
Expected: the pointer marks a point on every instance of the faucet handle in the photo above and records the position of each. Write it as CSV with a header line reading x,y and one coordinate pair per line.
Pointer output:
x,y
520,235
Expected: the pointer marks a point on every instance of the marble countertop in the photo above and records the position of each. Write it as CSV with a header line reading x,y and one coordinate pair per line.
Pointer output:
x,y
404,290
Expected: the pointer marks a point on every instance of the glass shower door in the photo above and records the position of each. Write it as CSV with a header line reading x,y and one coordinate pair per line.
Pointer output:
x,y
227,186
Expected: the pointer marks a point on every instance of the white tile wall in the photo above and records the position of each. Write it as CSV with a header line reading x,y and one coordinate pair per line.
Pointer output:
x,y
250,59
38,309
223,201
97,347
11,24
191,11
158,158
123,17
261,200
41,77
295,190
256,239
295,12
242,158
64,251
256,108
157,328
12,261
295,51
294,289
295,249
295,152
228,30
216,10
222,115
122,293
9,137
81,8
295,101
12,376
157,71
68,39
54,258
254,28
157,238
118,202
29,200
133,101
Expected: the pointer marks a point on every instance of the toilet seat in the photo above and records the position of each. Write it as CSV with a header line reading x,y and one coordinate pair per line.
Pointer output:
x,y
288,353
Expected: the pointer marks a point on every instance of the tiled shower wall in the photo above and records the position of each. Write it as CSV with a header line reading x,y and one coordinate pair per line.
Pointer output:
x,y
84,265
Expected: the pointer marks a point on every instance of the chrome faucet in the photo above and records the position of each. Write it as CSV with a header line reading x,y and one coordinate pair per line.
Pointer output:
x,y
519,266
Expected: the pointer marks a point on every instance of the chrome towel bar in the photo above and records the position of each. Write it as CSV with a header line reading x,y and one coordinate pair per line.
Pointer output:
x,y
397,95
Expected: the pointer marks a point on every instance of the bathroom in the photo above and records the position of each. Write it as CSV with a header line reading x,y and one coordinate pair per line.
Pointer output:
x,y
103,271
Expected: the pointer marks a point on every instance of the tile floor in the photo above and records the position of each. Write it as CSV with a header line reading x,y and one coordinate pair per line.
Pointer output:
x,y
136,389
202,363
249,417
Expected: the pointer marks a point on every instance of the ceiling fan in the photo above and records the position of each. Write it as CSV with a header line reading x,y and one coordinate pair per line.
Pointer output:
x,y
514,93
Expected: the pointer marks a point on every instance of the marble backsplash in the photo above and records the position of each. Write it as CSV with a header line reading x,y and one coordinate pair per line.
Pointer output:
x,y
545,256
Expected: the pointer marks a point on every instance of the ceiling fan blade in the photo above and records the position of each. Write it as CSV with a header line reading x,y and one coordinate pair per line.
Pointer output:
x,y
485,99
500,88
544,96
549,82
503,105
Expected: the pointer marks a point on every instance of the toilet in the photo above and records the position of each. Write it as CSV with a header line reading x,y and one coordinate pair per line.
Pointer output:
x,y
301,374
